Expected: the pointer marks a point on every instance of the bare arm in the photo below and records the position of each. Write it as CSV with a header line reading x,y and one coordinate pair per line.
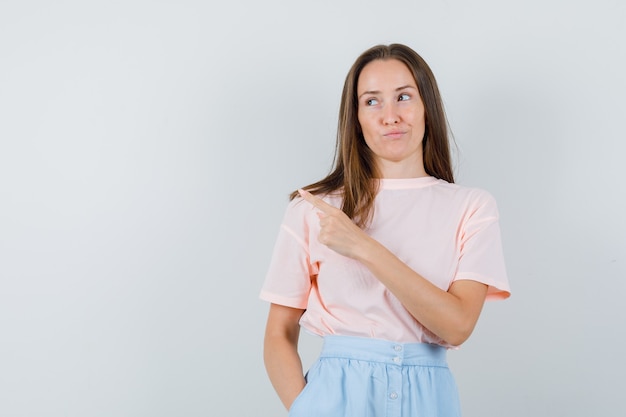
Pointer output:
x,y
280,352
450,314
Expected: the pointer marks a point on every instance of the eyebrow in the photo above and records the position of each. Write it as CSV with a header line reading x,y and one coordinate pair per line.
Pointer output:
x,y
378,92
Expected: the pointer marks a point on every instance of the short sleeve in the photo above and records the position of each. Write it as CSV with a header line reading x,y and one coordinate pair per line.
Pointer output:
x,y
288,280
480,246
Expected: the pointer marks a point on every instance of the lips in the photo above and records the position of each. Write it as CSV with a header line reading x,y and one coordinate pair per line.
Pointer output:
x,y
394,134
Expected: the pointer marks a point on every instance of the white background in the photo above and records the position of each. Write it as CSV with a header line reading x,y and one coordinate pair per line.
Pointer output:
x,y
147,149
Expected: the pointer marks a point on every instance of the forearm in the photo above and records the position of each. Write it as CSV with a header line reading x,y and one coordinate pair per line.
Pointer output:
x,y
284,367
444,313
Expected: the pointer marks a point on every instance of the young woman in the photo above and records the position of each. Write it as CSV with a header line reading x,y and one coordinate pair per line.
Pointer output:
x,y
386,258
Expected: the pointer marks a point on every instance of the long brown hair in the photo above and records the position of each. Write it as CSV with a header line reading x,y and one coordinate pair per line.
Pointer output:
x,y
353,164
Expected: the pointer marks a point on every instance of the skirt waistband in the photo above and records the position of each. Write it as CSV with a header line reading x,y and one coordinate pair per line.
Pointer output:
x,y
385,351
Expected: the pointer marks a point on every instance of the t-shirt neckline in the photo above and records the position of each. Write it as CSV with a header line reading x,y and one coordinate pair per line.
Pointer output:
x,y
406,183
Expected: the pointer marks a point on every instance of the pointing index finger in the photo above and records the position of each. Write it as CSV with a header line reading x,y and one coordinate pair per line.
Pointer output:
x,y
316,201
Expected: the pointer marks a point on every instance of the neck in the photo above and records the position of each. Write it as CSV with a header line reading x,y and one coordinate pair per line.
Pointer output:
x,y
393,170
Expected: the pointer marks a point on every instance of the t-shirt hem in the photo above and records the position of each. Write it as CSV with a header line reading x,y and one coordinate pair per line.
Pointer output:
x,y
496,290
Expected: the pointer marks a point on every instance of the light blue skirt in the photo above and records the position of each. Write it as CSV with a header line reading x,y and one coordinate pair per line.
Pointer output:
x,y
362,377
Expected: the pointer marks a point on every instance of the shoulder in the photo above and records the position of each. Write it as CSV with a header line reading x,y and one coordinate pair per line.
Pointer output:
x,y
469,199
298,210
463,192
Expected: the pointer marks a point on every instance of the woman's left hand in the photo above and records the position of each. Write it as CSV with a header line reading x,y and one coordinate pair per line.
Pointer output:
x,y
337,231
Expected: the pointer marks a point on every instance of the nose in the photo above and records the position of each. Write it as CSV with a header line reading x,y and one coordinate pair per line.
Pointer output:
x,y
390,115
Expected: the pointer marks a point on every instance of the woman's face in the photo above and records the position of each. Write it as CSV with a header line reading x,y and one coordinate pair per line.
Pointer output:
x,y
391,114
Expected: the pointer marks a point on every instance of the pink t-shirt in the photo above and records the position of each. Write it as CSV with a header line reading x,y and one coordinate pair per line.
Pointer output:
x,y
443,231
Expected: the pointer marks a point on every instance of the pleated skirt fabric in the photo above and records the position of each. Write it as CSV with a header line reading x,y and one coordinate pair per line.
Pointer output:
x,y
362,377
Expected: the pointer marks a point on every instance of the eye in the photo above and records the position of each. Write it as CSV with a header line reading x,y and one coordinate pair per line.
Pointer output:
x,y
404,97
371,102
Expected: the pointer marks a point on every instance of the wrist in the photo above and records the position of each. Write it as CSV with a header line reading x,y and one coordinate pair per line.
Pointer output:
x,y
368,250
